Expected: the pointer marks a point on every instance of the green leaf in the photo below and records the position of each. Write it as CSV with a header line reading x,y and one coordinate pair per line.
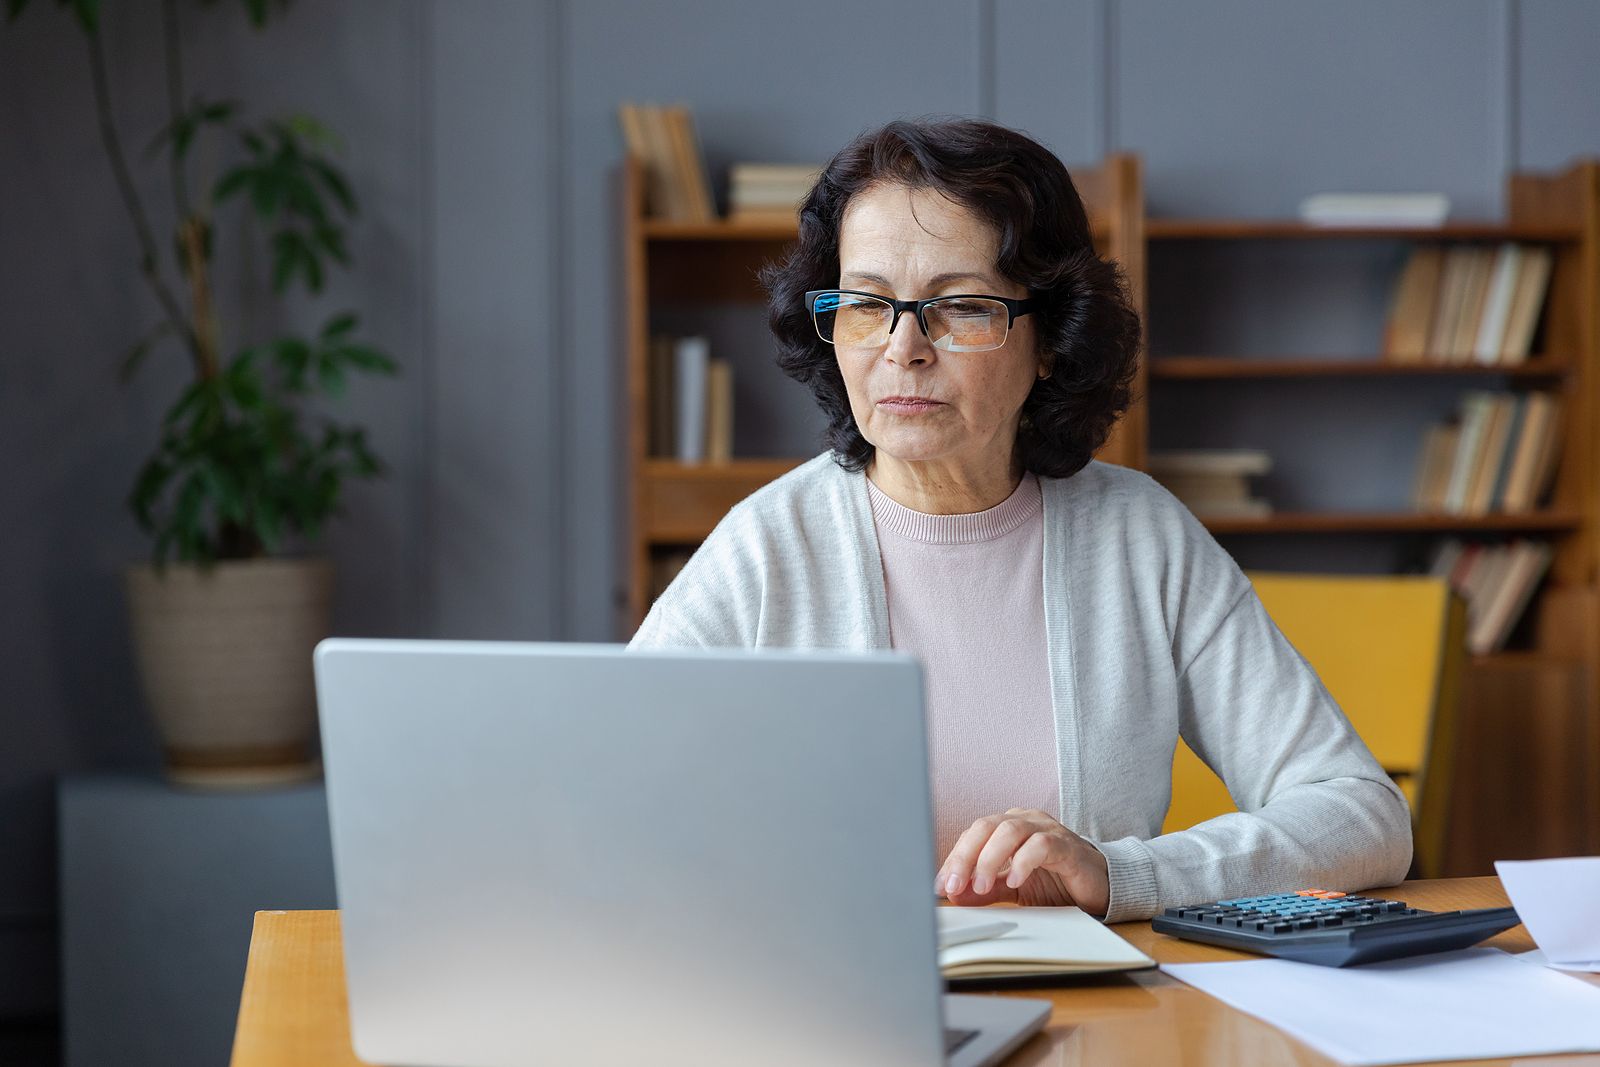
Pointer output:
x,y
339,325
231,182
192,397
285,258
266,192
331,238
220,112
368,359
331,375
336,184
294,360
135,356
88,12
304,127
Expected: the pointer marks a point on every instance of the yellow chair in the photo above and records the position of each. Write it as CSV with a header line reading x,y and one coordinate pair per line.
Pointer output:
x,y
1391,651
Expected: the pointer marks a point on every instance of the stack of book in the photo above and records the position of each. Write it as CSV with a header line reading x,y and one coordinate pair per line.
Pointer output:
x,y
1467,304
663,140
691,401
768,192
1497,582
1214,484
1498,455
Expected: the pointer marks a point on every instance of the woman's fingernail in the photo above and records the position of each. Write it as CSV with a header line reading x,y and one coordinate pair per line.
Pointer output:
x,y
952,885
1011,880
980,884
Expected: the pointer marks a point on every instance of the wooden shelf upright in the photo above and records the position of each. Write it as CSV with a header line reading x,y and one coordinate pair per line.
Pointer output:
x,y
674,505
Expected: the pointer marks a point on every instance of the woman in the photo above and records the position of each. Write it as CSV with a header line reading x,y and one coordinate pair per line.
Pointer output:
x,y
947,310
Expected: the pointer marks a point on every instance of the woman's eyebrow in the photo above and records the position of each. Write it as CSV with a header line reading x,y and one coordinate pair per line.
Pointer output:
x,y
935,281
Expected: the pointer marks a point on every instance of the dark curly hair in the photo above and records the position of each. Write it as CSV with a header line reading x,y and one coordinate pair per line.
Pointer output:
x,y
1089,334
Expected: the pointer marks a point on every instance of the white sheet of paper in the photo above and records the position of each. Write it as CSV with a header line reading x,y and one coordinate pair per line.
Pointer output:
x,y
1470,1004
1535,955
1559,902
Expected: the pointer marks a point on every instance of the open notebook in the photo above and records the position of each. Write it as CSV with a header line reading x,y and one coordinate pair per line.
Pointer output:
x,y
1045,941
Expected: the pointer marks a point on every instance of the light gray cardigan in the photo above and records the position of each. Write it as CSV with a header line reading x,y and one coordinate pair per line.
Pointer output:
x,y
1154,633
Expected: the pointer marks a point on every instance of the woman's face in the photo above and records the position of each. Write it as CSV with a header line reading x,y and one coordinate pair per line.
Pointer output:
x,y
912,244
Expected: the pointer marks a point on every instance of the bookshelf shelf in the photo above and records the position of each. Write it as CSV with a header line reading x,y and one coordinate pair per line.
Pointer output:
x,y
1176,229
1396,522
1206,368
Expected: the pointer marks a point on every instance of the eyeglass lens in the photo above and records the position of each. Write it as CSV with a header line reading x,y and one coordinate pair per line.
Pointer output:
x,y
965,324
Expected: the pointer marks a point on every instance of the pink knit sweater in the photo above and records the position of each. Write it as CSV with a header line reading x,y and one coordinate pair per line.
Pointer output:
x,y
966,597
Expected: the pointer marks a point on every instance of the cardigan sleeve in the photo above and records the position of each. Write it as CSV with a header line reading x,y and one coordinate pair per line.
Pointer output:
x,y
1315,808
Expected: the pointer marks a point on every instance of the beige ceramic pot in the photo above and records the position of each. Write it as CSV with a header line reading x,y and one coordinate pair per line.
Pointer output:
x,y
225,654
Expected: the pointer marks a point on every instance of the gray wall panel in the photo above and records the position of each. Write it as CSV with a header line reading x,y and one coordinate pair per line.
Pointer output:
x,y
1048,73
1244,107
494,470
1557,87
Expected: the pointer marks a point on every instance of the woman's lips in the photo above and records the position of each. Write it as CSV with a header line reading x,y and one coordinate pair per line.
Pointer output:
x,y
909,405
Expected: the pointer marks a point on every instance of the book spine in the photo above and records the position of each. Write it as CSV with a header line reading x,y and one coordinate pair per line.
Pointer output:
x,y
692,357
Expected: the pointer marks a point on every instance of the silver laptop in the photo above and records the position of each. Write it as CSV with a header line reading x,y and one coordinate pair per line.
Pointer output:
x,y
575,854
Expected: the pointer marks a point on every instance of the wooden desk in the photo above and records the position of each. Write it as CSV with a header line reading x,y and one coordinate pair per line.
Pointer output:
x,y
293,1011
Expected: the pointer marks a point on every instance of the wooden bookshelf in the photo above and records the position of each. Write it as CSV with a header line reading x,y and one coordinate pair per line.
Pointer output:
x,y
1560,654
672,505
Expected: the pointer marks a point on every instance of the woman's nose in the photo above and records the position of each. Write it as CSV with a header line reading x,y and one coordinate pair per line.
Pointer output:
x,y
907,343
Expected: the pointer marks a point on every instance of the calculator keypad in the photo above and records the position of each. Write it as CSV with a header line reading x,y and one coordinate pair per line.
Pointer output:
x,y
1282,913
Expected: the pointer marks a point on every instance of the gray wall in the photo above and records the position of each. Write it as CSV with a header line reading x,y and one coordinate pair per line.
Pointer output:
x,y
481,137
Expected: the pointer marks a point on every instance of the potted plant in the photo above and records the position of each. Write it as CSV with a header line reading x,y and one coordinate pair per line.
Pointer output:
x,y
246,466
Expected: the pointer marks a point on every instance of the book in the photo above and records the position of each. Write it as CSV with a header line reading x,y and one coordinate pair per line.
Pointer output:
x,y
690,171
1475,291
1045,941
663,140
1447,303
1517,494
691,369
1502,474
1201,461
1433,467
641,144
1476,408
1405,334
1497,305
1375,209
1527,301
1490,456
1525,566
719,412
768,192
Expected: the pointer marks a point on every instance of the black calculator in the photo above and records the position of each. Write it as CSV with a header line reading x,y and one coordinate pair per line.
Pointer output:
x,y
1331,928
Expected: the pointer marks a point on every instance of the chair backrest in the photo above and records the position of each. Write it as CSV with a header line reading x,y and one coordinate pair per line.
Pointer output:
x,y
1390,650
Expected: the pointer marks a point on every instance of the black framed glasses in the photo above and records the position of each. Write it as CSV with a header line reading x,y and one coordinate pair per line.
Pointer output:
x,y
957,323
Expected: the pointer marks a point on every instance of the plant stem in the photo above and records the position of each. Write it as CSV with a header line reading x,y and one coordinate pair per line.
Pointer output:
x,y
130,196
191,235
174,49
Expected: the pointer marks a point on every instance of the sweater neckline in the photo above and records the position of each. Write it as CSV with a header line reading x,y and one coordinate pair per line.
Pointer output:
x,y
1025,502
